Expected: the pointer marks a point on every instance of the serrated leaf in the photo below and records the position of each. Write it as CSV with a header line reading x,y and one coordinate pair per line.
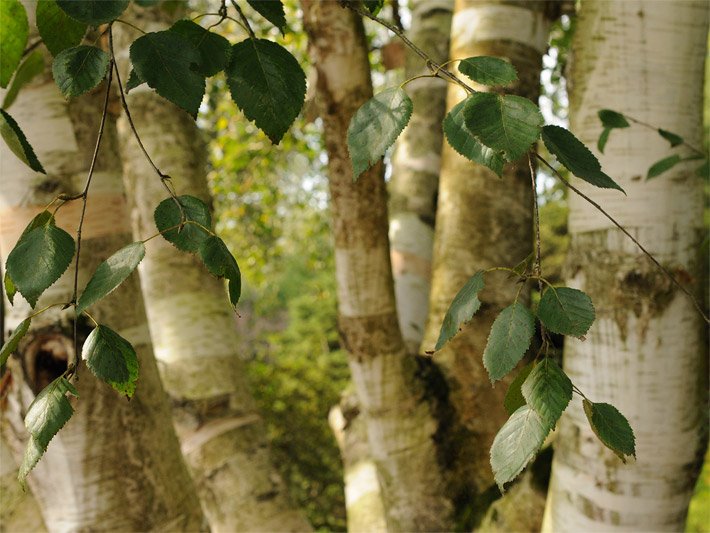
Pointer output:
x,y
508,340
514,396
220,263
39,258
93,12
603,138
17,142
576,157
110,274
267,84
14,340
516,444
506,123
271,10
79,69
32,65
566,311
611,427
14,30
376,125
213,48
112,359
133,81
462,308
548,390
49,411
191,236
10,289
665,164
671,137
487,70
612,119
167,62
463,141
58,30
374,6
33,453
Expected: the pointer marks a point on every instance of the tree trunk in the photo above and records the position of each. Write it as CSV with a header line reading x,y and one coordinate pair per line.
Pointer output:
x,y
117,464
646,353
194,327
399,423
19,510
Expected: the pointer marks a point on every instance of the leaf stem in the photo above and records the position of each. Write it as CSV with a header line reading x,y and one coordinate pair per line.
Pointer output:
x,y
130,24
245,21
36,313
654,128
96,324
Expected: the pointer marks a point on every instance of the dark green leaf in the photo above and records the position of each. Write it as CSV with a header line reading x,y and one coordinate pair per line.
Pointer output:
x,y
508,341
612,428
167,62
703,171
659,167
566,311
133,81
462,308
58,30
220,262
10,288
214,49
14,340
603,138
611,119
93,12
516,444
466,144
42,219
147,3
110,274
508,124
190,236
39,258
375,126
17,142
79,69
671,137
571,153
271,10
49,411
514,396
374,6
14,30
487,70
32,65
111,358
267,84
548,390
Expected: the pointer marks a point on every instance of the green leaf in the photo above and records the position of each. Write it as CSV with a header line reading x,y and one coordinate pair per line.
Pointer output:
x,y
516,444
374,6
487,70
603,138
58,30
32,65
703,171
466,144
612,119
10,288
611,427
133,81
33,453
79,69
213,48
665,164
514,396
39,258
566,311
267,84
508,124
166,61
376,125
190,236
548,390
462,308
220,262
271,10
112,359
508,340
49,411
14,29
110,274
93,12
571,153
14,340
671,137
17,142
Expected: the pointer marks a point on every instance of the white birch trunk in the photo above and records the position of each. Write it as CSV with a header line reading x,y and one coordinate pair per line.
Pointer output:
x,y
646,352
19,510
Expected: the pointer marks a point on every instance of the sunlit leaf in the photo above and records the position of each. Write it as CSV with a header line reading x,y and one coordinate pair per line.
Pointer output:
x,y
14,29
487,70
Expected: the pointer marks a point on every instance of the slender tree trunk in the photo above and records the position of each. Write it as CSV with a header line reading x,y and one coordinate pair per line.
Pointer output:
x,y
646,353
116,465
193,326
399,423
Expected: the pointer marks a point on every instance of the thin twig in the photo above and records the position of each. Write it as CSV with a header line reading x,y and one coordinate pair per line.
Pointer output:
x,y
130,25
633,239
396,15
31,47
244,19
536,214
656,129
